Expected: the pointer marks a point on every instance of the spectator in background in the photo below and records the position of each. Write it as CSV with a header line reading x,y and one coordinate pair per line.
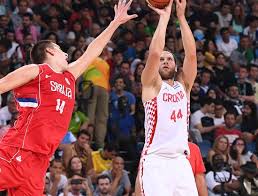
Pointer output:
x,y
103,186
248,183
125,73
239,155
244,54
224,15
79,120
97,103
82,149
226,44
210,50
14,53
76,166
253,78
249,124
5,61
245,87
57,179
218,177
219,112
8,111
102,159
252,29
205,82
121,120
4,26
220,146
207,18
47,187
229,130
20,10
77,186
195,97
201,121
55,27
121,184
26,28
223,75
238,19
233,101
198,169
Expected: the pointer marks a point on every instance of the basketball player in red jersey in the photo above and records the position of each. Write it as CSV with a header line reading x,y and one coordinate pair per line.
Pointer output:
x,y
164,167
45,95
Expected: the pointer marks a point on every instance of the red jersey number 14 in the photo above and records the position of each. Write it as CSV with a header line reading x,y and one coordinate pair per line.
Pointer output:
x,y
60,106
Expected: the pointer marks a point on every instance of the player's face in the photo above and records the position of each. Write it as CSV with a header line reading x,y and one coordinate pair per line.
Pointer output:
x,y
76,164
104,186
60,55
167,66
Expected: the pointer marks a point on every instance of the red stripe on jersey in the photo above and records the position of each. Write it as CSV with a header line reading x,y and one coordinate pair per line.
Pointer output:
x,y
151,119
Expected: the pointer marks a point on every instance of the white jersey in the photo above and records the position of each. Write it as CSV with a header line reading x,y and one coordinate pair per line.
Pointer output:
x,y
166,122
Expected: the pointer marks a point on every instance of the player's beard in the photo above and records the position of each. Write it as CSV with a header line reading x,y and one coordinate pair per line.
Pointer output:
x,y
167,75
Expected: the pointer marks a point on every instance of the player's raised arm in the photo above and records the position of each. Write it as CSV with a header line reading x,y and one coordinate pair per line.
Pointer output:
x,y
150,76
95,47
190,61
18,77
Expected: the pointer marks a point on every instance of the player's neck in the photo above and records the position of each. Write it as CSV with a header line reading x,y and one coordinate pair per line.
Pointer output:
x,y
54,65
170,82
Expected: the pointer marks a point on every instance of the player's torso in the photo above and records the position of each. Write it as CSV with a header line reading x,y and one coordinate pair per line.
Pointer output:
x,y
166,121
45,106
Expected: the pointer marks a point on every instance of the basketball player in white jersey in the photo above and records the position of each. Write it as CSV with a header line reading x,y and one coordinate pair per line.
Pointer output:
x,y
164,168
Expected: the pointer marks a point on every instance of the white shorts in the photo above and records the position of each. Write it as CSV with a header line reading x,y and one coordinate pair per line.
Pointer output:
x,y
166,176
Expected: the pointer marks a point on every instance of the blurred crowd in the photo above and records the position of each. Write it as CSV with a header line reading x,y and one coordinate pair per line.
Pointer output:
x,y
100,153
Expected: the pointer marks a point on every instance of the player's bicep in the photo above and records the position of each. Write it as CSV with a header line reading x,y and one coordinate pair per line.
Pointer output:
x,y
189,71
18,77
150,74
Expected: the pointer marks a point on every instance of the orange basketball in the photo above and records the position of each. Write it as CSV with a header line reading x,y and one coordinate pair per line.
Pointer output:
x,y
158,3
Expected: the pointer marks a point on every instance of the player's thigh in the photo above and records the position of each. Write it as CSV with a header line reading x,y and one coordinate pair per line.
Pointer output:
x,y
153,179
10,174
185,184
35,170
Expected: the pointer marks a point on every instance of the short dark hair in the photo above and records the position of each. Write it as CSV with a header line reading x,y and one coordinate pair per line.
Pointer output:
x,y
103,176
230,113
29,15
206,101
38,51
110,147
223,30
85,132
55,161
6,43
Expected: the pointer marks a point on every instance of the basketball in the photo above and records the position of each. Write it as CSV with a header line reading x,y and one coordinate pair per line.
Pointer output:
x,y
158,3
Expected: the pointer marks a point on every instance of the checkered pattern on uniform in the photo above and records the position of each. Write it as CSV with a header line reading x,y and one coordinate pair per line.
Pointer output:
x,y
151,120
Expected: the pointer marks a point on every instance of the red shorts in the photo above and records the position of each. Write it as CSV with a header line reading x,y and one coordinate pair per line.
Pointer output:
x,y
25,174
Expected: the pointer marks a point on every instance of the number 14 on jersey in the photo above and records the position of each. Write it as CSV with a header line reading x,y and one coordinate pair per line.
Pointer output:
x,y
176,114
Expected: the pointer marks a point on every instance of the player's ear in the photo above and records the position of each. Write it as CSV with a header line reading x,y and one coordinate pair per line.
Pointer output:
x,y
50,51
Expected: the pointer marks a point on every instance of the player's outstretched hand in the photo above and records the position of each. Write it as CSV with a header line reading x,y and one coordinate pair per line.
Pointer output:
x,y
163,12
180,8
121,15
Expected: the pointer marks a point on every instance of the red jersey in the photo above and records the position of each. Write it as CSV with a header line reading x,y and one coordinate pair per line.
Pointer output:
x,y
45,106
195,159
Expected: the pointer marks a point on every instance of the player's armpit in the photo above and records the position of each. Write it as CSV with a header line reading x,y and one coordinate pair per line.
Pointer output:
x,y
18,77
